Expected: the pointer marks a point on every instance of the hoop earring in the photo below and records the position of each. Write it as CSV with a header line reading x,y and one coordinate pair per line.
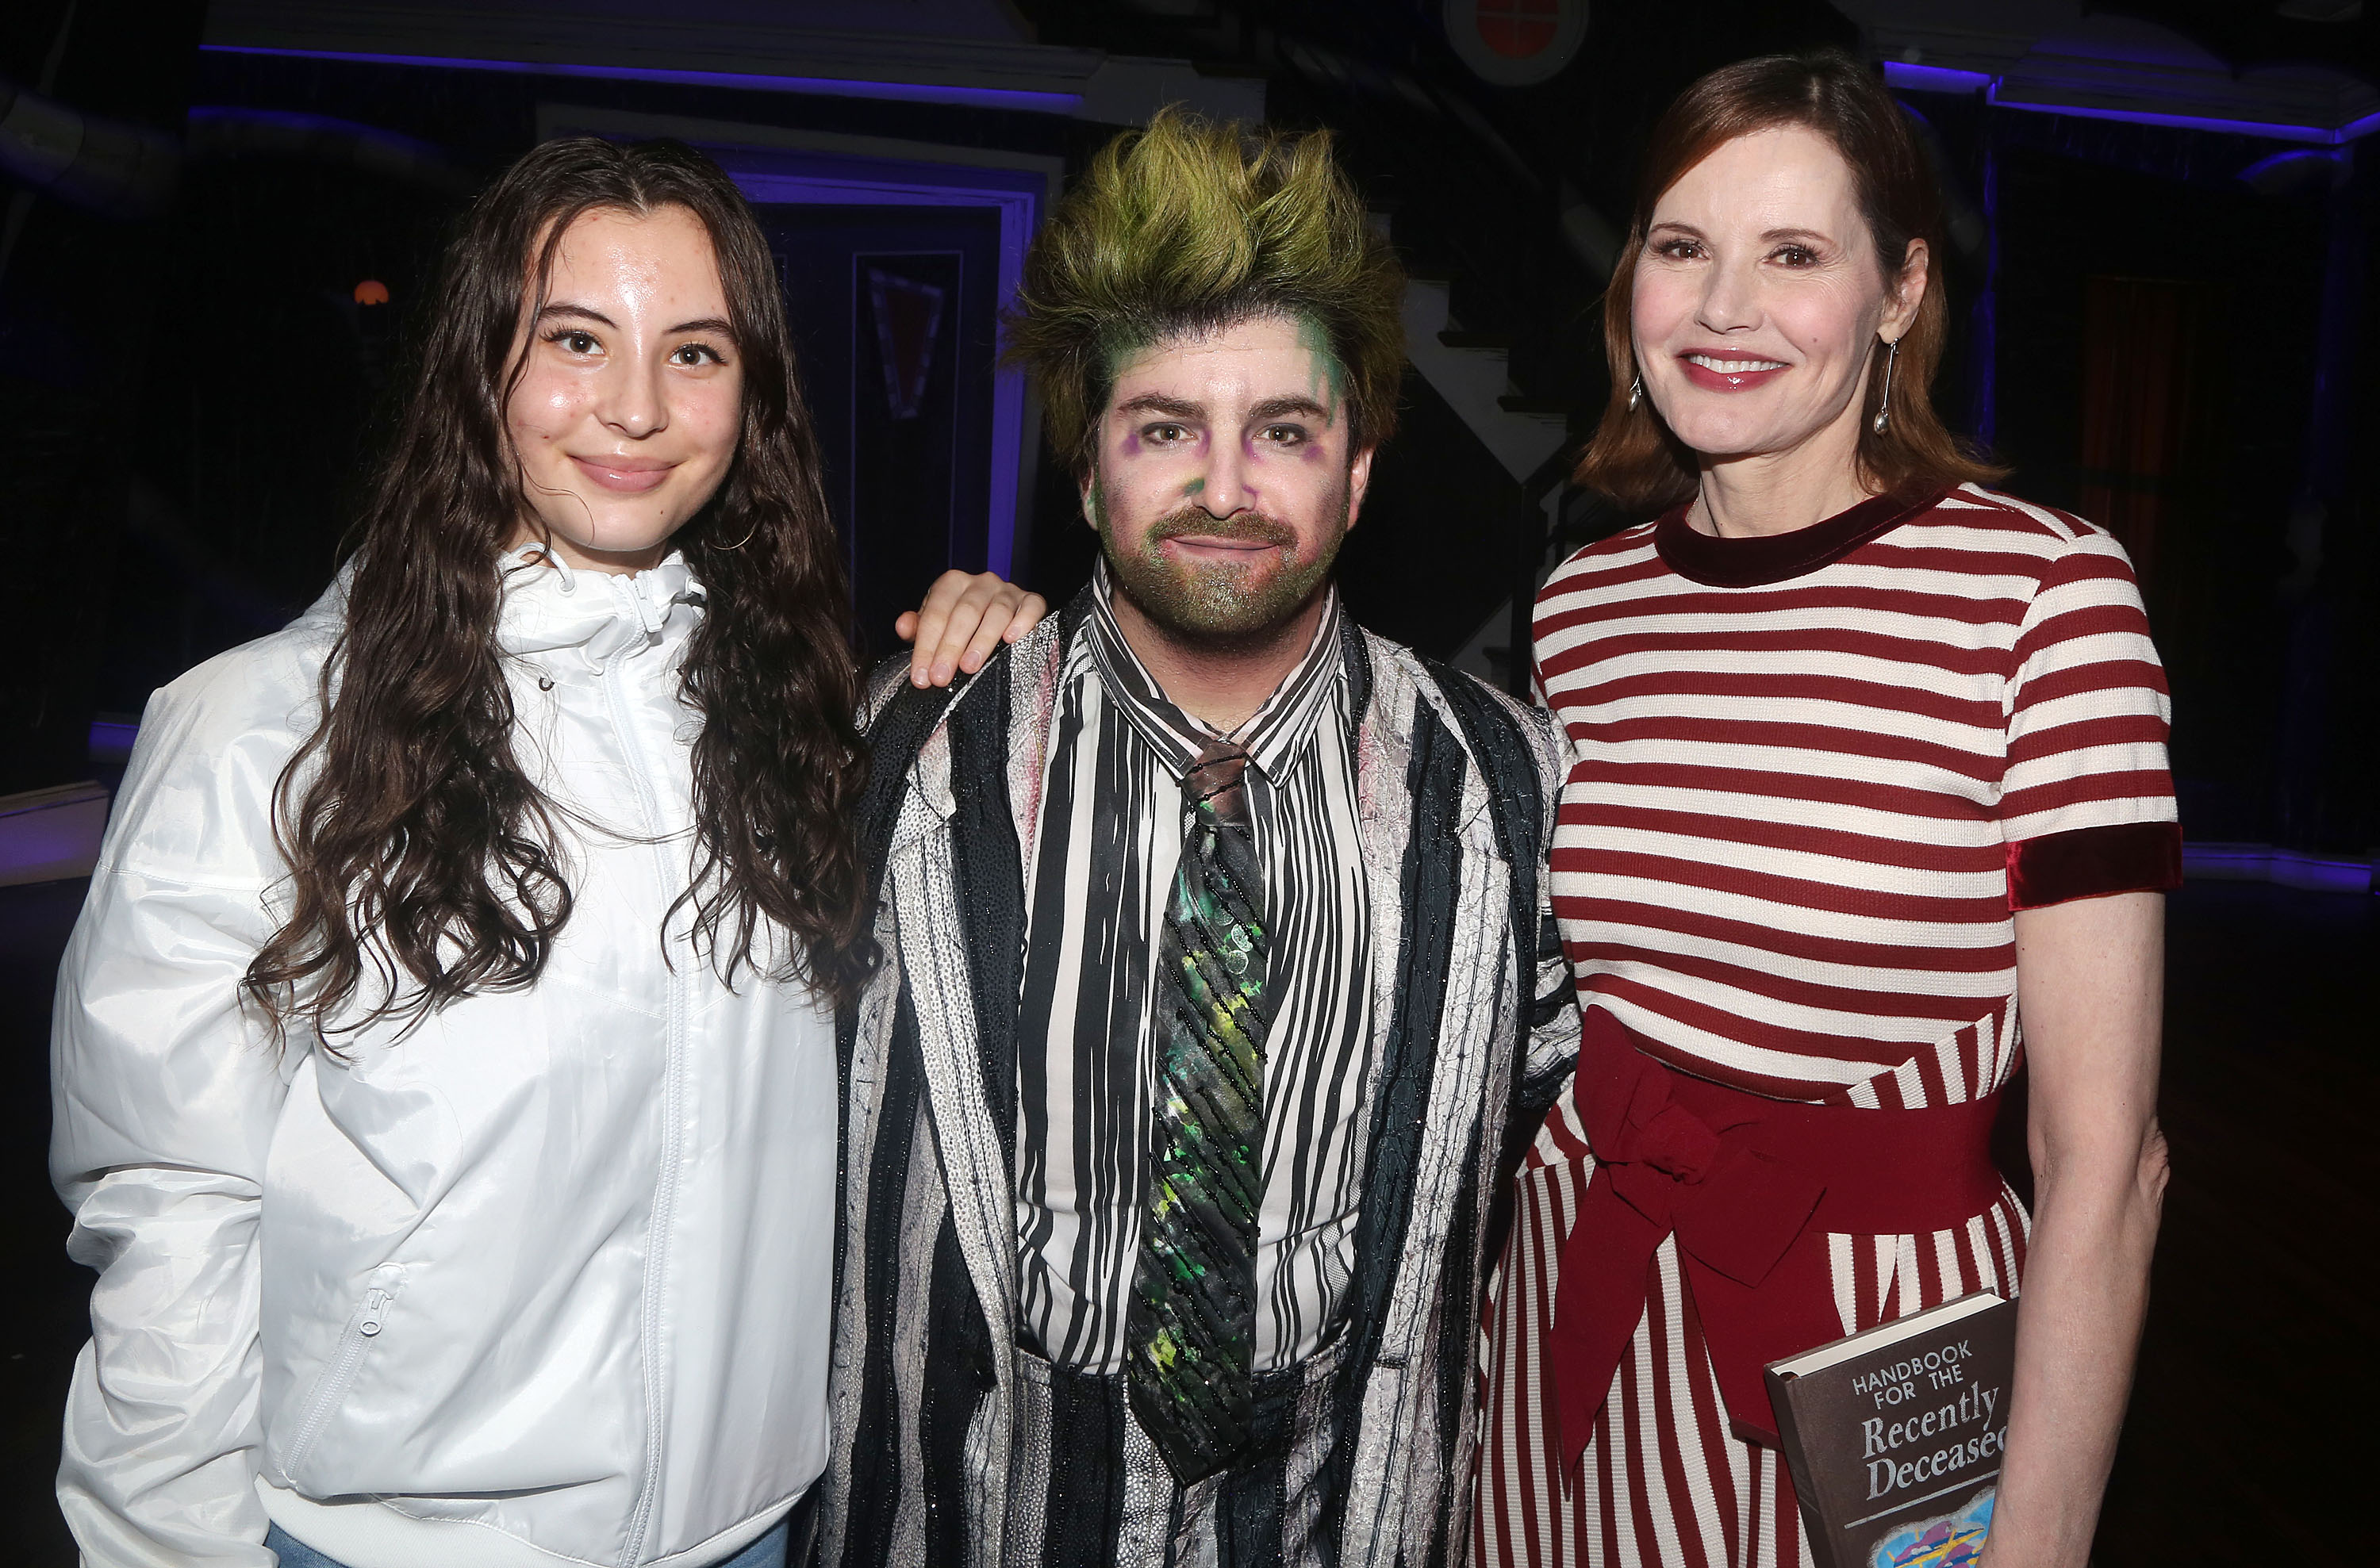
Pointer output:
x,y
1884,409
1635,393
745,540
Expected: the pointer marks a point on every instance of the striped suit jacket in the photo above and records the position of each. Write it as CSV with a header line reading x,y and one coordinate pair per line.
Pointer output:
x,y
1476,1034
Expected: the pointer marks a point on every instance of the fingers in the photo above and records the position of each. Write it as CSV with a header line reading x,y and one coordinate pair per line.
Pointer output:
x,y
976,598
1009,613
948,625
927,626
964,620
1030,612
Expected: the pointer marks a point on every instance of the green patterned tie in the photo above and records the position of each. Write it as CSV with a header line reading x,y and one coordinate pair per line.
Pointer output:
x,y
1191,1328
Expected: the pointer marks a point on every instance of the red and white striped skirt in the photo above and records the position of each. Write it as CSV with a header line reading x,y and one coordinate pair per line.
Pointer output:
x,y
1663,1483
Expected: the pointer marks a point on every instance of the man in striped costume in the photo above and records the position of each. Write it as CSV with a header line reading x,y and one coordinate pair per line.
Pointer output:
x,y
1220,974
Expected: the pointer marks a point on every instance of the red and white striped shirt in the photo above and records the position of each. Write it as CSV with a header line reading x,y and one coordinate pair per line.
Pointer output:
x,y
1816,775
1808,792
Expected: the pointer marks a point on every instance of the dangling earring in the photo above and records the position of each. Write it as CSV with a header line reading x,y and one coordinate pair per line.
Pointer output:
x,y
1884,409
1635,393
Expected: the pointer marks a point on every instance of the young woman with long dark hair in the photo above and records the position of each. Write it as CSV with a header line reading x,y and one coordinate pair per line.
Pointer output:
x,y
444,1059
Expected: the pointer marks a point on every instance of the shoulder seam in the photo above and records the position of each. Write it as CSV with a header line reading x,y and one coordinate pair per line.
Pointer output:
x,y
2056,522
1634,535
1592,558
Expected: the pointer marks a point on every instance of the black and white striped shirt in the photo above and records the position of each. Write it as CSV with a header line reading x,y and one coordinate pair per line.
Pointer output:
x,y
1108,833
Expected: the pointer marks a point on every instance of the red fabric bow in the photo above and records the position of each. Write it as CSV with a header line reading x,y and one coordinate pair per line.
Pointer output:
x,y
1750,1188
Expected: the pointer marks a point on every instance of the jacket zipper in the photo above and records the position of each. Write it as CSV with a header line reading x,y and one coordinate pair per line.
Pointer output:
x,y
363,1326
657,1255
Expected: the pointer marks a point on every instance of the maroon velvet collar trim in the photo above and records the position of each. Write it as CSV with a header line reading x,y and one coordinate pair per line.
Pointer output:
x,y
1757,559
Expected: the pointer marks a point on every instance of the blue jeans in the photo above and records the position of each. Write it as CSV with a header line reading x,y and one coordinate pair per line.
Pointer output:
x,y
769,1551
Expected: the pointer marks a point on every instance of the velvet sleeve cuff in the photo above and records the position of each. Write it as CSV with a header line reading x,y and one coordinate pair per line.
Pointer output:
x,y
2125,857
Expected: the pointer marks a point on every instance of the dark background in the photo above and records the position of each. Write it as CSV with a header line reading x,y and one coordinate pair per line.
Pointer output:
x,y
2161,327
191,396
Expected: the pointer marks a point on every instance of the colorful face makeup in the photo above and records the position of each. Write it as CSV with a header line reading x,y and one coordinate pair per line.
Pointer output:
x,y
1223,482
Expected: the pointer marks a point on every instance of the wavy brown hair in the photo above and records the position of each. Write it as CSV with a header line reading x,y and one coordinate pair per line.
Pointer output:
x,y
1634,458
421,858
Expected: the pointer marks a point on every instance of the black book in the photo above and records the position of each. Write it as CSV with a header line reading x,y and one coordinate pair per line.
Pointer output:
x,y
1895,1435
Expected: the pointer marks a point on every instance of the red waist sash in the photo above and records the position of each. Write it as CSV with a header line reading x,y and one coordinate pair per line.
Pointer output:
x,y
1750,1186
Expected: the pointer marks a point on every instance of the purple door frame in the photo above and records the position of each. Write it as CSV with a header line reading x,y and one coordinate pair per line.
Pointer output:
x,y
787,176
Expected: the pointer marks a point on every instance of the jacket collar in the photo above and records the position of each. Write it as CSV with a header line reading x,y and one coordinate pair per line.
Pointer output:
x,y
550,608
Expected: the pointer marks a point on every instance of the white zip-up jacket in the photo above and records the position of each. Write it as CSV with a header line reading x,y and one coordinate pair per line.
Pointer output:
x,y
544,1280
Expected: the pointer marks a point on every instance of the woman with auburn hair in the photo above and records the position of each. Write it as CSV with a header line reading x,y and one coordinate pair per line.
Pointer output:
x,y
1870,799
444,1058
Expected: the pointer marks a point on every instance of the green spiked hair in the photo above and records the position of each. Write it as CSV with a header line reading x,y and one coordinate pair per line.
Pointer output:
x,y
1189,227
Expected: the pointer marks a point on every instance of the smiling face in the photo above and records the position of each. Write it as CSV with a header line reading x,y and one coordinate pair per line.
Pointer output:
x,y
1758,300
1223,479
628,407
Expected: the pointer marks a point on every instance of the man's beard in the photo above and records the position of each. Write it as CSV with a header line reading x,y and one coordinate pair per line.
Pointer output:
x,y
1221,603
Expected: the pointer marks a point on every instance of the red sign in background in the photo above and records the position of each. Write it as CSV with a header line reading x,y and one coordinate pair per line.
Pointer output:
x,y
1518,29
1516,42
